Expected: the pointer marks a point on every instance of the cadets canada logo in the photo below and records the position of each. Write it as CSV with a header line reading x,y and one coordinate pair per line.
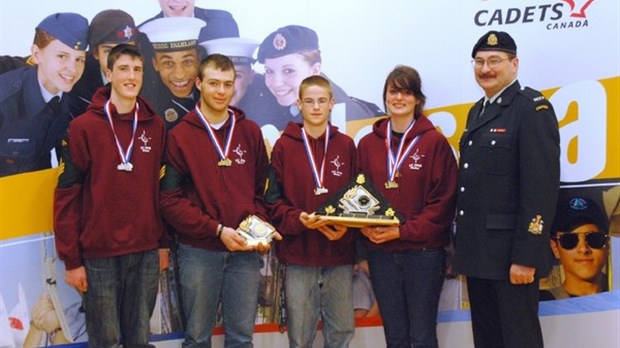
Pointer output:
x,y
561,15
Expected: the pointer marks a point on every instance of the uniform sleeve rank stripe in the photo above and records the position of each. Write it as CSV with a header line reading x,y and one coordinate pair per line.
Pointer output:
x,y
162,172
542,107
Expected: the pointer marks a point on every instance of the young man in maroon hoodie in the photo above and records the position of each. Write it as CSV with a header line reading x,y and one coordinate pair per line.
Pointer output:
x,y
215,174
310,163
107,225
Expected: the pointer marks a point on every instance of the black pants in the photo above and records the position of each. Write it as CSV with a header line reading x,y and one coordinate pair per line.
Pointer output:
x,y
504,315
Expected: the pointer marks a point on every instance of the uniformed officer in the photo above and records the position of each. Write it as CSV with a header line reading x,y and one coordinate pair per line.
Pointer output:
x,y
173,92
34,103
508,188
298,47
107,29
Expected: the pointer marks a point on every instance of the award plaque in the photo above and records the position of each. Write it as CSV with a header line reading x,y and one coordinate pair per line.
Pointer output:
x,y
256,231
359,205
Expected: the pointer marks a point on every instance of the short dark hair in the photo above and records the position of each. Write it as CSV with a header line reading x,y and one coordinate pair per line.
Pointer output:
x,y
123,50
218,61
315,80
406,78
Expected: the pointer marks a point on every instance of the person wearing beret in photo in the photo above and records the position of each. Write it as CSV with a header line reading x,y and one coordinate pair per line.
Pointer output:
x,y
290,54
107,29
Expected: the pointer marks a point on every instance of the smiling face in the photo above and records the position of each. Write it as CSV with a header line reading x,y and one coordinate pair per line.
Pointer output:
x,y
59,66
283,75
216,90
177,8
244,77
315,104
400,102
177,70
581,264
126,77
495,70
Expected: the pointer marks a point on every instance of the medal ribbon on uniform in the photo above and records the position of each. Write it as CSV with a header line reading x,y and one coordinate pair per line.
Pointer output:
x,y
394,162
318,178
222,153
125,155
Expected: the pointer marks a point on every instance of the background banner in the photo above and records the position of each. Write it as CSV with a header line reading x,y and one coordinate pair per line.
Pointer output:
x,y
569,50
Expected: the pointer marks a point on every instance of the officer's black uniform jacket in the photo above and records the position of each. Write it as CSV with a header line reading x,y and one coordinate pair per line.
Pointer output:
x,y
508,185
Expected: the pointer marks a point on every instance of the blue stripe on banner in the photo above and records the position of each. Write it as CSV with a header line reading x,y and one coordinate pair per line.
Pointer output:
x,y
606,301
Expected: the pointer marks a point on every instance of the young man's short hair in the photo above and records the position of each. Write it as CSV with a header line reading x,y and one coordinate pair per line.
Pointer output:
x,y
315,80
218,61
123,50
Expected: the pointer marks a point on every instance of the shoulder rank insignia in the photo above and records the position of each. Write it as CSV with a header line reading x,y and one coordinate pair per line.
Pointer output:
x,y
536,226
542,107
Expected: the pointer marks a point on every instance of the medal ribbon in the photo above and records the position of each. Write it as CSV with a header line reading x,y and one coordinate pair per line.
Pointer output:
x,y
394,162
222,153
318,178
125,156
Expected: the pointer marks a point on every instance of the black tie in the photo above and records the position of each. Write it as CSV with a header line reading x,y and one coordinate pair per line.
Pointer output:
x,y
484,107
54,104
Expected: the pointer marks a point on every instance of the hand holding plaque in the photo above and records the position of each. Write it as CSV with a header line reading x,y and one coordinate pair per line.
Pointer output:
x,y
358,205
256,231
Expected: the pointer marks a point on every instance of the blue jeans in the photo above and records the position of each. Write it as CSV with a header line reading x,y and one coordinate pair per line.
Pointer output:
x,y
319,292
120,299
407,285
210,277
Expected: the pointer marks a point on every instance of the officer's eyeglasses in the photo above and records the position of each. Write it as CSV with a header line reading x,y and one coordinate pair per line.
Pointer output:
x,y
596,240
492,62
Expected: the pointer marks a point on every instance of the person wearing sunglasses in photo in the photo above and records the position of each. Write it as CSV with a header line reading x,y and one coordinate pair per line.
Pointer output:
x,y
579,240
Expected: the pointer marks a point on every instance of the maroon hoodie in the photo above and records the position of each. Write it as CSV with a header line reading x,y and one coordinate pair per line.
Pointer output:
x,y
197,194
426,193
100,211
291,191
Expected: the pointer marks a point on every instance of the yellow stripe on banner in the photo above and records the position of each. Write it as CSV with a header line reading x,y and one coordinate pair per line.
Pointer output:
x,y
26,203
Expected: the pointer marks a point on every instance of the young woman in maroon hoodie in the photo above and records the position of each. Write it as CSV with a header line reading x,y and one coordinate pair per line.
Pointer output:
x,y
414,167
310,163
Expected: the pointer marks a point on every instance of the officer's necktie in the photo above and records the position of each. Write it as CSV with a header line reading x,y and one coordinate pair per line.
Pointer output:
x,y
54,104
484,106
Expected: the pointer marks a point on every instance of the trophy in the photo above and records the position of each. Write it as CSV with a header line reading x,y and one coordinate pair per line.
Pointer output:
x,y
256,231
358,205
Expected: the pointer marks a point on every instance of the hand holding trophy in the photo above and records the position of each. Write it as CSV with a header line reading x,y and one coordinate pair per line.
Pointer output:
x,y
358,205
257,233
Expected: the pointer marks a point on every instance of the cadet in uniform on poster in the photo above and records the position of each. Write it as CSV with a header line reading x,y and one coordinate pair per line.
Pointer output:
x,y
290,54
34,101
107,29
248,84
175,61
